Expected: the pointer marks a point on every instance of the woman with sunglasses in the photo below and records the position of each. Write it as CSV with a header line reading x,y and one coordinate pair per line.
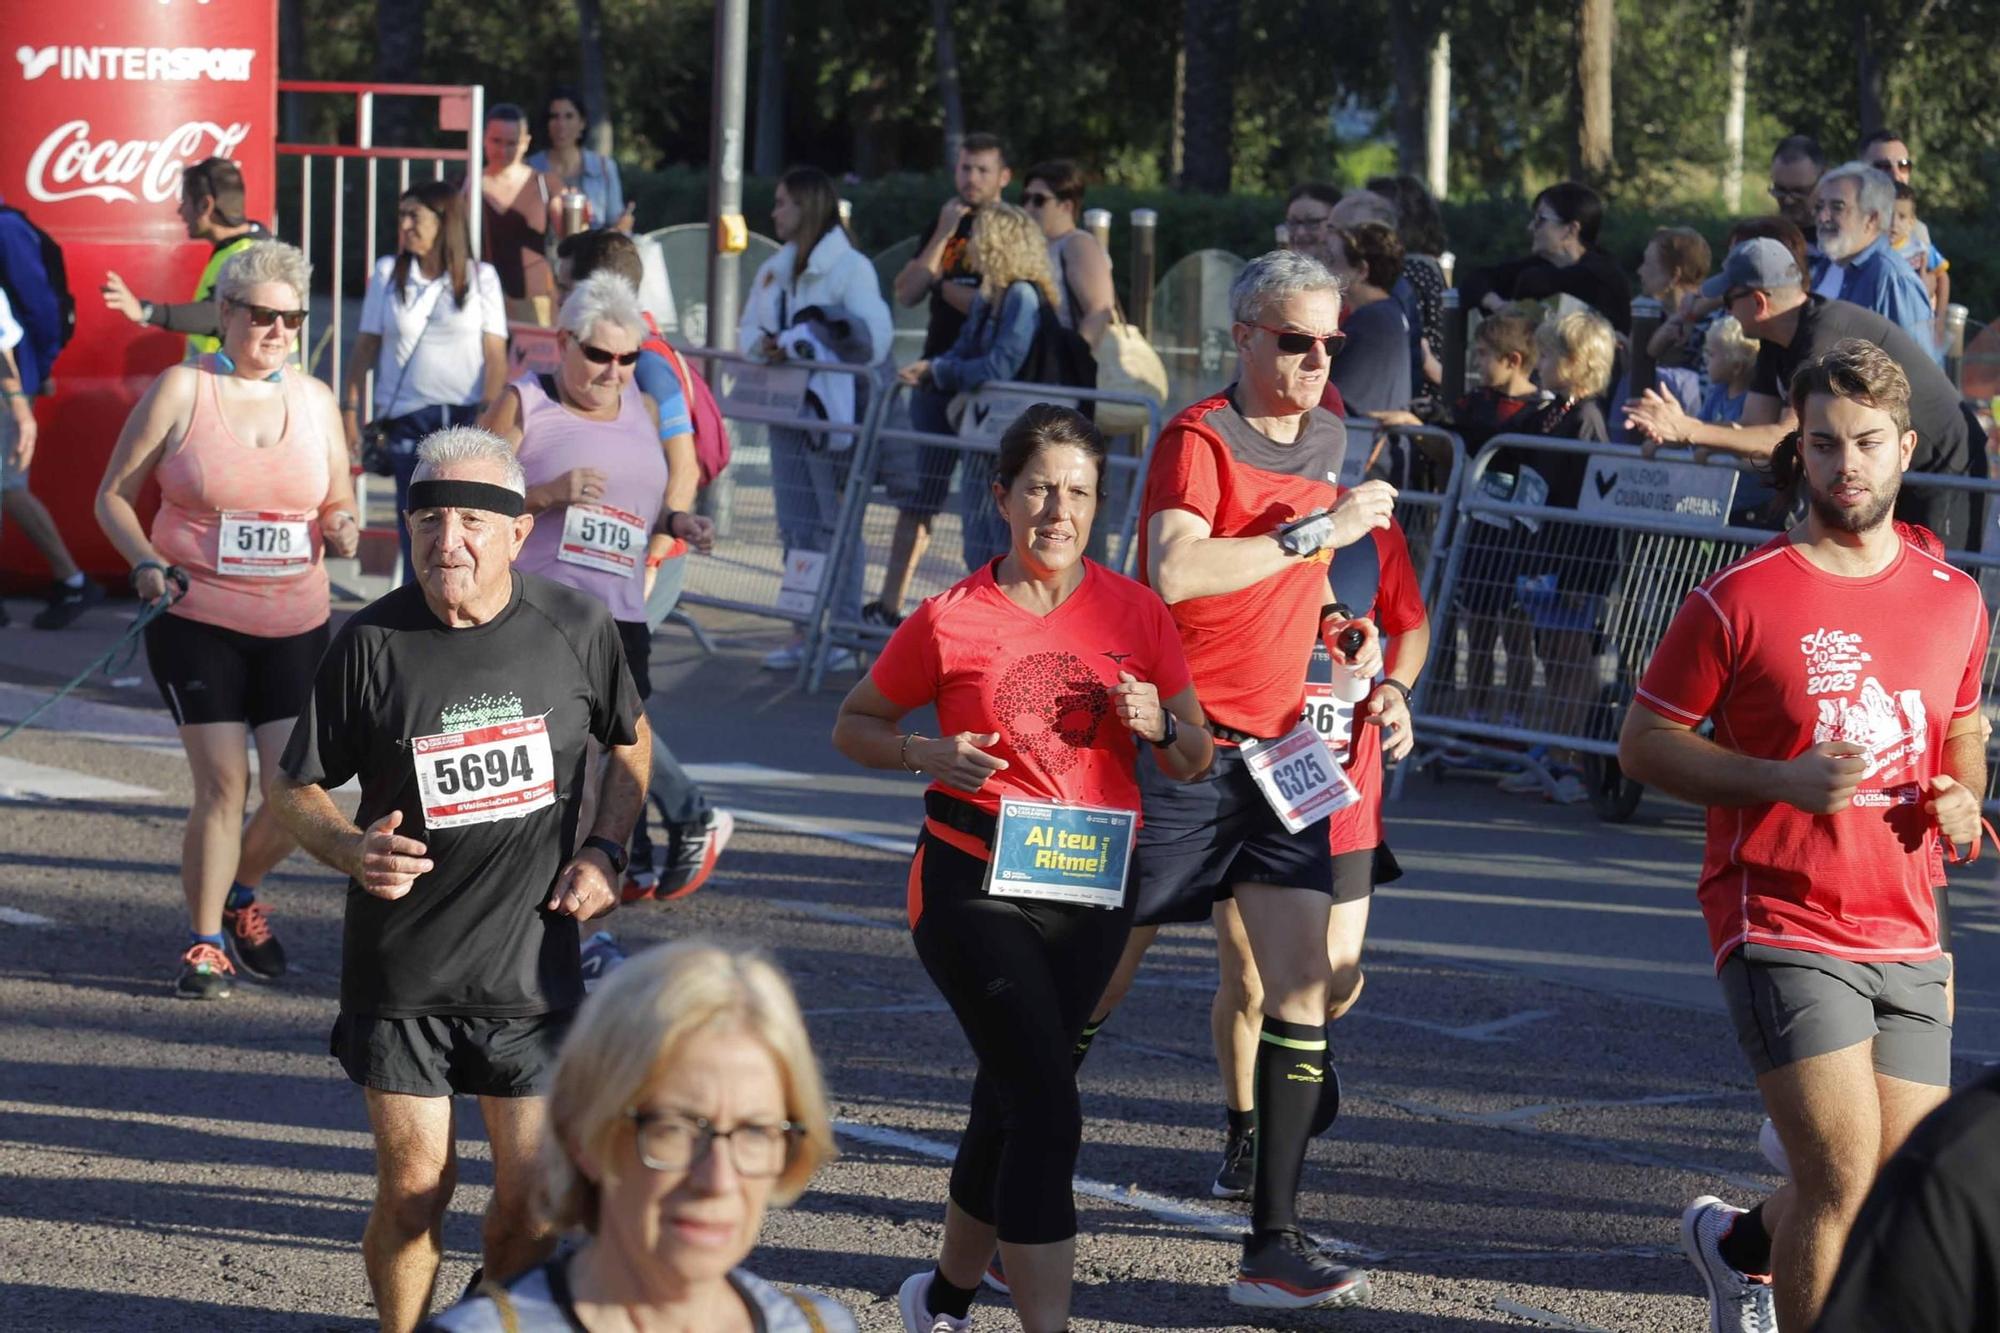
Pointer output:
x,y
1053,197
254,492
685,1103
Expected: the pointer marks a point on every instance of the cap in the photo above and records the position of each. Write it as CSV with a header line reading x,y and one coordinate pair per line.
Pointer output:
x,y
1760,264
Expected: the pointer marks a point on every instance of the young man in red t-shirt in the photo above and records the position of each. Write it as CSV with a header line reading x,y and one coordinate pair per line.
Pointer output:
x,y
1840,666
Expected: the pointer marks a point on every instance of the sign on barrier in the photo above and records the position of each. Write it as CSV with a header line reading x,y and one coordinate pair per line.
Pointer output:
x,y
989,412
531,350
805,575
757,388
1619,486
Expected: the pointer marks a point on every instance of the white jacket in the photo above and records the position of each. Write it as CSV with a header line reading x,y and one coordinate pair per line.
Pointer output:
x,y
837,275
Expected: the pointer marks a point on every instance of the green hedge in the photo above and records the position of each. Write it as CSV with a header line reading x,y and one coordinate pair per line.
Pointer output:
x,y
1481,230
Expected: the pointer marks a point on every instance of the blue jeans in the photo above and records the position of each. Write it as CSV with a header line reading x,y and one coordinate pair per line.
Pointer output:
x,y
405,434
806,484
984,534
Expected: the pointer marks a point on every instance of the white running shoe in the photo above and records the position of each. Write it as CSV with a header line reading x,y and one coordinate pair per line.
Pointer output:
x,y
1523,782
1570,790
1773,1149
914,1302
1736,1303
786,658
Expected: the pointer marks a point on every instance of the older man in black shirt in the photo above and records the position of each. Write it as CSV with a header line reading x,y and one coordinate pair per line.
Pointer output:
x,y
465,704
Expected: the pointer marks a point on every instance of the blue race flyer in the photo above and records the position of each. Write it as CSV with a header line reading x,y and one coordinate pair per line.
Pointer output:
x,y
1063,853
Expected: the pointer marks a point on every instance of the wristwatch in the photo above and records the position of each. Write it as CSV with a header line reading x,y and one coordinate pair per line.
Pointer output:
x,y
1173,732
612,852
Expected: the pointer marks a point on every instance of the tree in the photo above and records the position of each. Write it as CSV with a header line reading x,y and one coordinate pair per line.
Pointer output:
x,y
947,63
590,44
399,58
1208,101
1591,158
769,157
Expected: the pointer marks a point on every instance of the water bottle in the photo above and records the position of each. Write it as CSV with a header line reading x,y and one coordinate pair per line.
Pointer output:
x,y
1349,686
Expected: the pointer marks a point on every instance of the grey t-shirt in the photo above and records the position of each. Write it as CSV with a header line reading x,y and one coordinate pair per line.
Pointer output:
x,y
542,1303
1373,371
1317,453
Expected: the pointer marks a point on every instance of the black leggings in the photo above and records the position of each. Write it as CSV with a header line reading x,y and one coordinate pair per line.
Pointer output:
x,y
1022,976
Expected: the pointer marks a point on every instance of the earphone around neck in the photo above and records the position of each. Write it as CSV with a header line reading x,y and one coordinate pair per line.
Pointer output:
x,y
226,363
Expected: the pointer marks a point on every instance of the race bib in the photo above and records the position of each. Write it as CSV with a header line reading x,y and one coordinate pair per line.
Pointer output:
x,y
1331,717
599,537
255,545
502,771
1299,777
1061,853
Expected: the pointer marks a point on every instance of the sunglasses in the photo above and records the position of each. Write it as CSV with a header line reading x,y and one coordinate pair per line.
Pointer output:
x,y
1735,294
1035,199
1893,164
599,357
1782,193
263,316
1293,343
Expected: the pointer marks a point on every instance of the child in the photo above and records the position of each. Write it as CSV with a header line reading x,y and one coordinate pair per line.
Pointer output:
x,y
1503,357
1732,357
1912,240
1676,263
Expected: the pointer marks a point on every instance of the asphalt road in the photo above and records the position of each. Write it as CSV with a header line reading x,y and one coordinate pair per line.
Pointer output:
x,y
1537,1079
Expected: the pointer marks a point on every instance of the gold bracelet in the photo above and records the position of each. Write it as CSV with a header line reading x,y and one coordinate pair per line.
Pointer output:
x,y
904,753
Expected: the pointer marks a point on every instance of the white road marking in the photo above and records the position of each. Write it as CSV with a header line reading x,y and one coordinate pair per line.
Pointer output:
x,y
817,828
1444,864
833,914
23,781
933,1007
1534,1314
74,714
1212,1221
14,916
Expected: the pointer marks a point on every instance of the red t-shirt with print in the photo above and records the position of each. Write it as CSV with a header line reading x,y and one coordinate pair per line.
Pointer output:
x,y
1783,656
1042,682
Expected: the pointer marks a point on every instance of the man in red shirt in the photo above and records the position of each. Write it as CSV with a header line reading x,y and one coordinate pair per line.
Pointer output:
x,y
1840,666
1242,515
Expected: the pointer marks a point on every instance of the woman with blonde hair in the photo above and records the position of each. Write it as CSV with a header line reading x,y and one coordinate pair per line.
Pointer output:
x,y
1008,335
685,1102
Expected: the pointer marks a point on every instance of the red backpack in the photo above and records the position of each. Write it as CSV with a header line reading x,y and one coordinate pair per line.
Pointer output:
x,y
711,437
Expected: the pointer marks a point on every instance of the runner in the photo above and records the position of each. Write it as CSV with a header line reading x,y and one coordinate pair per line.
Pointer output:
x,y
1241,517
589,443
1376,585
463,706
1820,902
212,209
254,491
1047,670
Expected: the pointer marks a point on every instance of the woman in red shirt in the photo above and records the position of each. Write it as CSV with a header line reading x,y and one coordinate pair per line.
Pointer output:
x,y
1047,670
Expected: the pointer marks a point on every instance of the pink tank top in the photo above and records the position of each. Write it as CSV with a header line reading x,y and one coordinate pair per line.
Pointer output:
x,y
244,522
599,549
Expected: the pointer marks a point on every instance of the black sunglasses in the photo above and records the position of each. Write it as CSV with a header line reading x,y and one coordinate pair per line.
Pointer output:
x,y
1035,199
1293,343
598,356
263,316
1893,164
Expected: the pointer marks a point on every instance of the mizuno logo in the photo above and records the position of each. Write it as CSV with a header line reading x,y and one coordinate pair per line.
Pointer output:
x,y
1117,659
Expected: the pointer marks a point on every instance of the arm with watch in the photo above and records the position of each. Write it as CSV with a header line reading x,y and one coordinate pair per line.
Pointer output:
x,y
1186,561
588,885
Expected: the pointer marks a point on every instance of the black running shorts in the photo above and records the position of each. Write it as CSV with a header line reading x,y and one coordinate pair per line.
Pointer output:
x,y
437,1055
210,674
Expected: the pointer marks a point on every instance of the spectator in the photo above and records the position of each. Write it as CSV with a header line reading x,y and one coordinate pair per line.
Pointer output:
x,y
1053,197
816,299
1796,164
32,333
212,209
515,229
1372,371
1420,227
1357,210
943,271
1566,260
1675,265
1909,238
1731,356
443,360
996,342
1885,151
1855,208
568,161
685,1102
1760,284
1308,212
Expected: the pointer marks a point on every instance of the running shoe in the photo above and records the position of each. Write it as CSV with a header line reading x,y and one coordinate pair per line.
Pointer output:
x,y
787,658
639,885
995,1277
1569,790
1773,1149
600,955
1239,1158
880,616
1737,1302
1283,1270
1524,782
692,850
914,1302
67,603
206,974
248,930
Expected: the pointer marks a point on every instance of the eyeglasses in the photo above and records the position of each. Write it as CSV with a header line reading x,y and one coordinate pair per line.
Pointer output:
x,y
598,356
673,1141
1735,294
1786,193
1035,199
263,316
1893,164
1293,343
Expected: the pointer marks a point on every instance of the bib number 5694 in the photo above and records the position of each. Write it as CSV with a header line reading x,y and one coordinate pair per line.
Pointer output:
x,y
479,771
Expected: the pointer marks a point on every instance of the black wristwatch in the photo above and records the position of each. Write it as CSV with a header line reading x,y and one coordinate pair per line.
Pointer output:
x,y
612,852
1173,732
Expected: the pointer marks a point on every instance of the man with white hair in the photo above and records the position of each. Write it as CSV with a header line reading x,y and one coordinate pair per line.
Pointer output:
x,y
464,705
1853,211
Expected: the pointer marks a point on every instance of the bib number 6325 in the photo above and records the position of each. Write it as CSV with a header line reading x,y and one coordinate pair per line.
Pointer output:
x,y
1298,777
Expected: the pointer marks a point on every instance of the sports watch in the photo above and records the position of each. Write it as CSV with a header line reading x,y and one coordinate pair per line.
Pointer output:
x,y
1173,732
612,852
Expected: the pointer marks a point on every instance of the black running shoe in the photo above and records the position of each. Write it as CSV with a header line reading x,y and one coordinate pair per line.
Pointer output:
x,y
1282,1270
1239,1156
248,931
206,974
692,851
877,614
66,604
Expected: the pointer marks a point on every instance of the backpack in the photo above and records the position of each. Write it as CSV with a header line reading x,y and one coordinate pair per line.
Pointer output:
x,y
711,437
1059,356
49,343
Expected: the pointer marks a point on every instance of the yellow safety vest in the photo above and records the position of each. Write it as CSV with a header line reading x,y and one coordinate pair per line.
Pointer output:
x,y
200,344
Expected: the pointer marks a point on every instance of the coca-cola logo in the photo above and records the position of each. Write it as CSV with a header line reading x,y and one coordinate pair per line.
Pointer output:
x,y
69,165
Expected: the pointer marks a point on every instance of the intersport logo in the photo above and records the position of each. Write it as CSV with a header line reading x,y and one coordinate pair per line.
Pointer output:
x,y
70,165
136,64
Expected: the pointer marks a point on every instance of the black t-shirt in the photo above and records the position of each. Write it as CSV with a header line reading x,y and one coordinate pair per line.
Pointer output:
x,y
1561,419
1924,1255
946,321
1942,441
397,689
1373,370
1595,279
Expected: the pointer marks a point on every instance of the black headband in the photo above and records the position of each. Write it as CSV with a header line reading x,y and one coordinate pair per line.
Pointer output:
x,y
466,495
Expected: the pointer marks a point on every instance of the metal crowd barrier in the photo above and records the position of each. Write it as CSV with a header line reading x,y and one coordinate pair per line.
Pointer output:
x,y
868,516
749,571
1424,464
